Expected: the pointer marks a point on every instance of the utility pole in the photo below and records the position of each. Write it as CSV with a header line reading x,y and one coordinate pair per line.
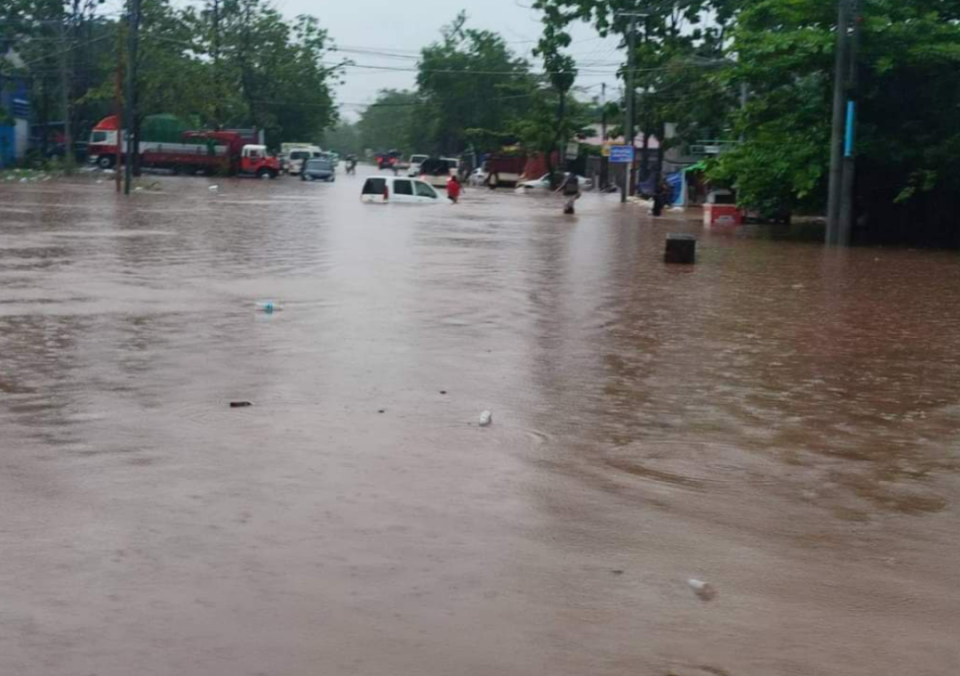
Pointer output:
x,y
65,53
216,64
133,143
629,95
838,123
118,106
604,160
847,184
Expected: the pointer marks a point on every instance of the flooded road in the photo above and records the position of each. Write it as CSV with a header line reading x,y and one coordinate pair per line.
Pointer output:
x,y
780,420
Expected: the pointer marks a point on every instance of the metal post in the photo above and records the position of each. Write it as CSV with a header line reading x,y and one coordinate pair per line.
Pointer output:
x,y
836,136
603,135
118,104
217,89
629,95
847,183
132,146
65,84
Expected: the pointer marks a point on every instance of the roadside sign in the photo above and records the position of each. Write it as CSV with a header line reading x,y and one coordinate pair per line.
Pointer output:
x,y
621,154
573,149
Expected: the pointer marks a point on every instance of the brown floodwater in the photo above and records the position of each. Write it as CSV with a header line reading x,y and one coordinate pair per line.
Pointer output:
x,y
780,421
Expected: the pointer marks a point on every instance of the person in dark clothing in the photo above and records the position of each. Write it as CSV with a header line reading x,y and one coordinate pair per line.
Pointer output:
x,y
661,197
571,191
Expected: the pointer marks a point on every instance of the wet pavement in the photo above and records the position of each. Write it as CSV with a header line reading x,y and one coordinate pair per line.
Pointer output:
x,y
780,421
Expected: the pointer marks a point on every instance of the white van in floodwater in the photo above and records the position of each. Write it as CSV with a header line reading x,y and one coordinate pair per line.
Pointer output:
x,y
296,154
415,162
397,190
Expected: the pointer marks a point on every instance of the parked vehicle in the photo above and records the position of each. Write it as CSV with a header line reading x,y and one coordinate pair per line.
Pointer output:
x,y
398,190
415,162
319,169
389,160
478,177
543,183
212,152
504,170
165,145
437,170
295,154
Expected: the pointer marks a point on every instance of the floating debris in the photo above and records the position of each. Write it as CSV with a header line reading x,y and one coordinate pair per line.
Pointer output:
x,y
704,590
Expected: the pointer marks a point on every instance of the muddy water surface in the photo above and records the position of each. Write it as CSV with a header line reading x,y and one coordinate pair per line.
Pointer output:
x,y
780,421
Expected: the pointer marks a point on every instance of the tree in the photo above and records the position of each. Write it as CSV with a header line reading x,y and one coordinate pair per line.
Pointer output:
x,y
561,73
243,66
539,130
472,88
277,68
908,135
681,46
388,122
61,45
343,139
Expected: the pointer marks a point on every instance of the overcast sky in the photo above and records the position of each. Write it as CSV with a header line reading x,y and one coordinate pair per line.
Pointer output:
x,y
403,27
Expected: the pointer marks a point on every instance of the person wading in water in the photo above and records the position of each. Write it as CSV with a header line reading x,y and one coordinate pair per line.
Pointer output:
x,y
571,191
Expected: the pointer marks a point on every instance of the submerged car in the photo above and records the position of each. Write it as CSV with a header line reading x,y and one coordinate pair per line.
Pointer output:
x,y
319,169
543,183
396,190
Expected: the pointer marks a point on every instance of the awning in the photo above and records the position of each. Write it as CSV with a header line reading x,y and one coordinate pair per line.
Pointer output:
x,y
699,166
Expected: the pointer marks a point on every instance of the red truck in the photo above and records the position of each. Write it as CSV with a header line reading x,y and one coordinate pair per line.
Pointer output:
x,y
504,169
228,152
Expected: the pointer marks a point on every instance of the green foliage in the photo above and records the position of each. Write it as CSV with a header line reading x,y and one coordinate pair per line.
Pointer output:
x,y
277,69
679,55
344,139
471,92
469,80
389,122
245,66
908,132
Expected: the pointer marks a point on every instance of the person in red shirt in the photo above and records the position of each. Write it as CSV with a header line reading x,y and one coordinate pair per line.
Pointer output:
x,y
453,189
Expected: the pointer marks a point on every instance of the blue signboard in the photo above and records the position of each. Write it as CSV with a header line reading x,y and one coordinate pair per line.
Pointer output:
x,y
621,154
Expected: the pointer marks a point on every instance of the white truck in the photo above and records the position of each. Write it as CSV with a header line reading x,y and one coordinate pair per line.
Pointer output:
x,y
295,154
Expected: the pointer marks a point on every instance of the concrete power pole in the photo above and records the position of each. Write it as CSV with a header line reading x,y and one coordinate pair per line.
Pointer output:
x,y
66,48
604,160
217,92
629,96
133,143
842,69
847,183
118,106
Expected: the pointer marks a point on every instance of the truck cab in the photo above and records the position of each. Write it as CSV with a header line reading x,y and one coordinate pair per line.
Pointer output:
x,y
255,160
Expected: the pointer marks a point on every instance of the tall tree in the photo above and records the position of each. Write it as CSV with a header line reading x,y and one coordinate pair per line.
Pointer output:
x,y
471,86
277,68
908,134
561,73
681,45
389,122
